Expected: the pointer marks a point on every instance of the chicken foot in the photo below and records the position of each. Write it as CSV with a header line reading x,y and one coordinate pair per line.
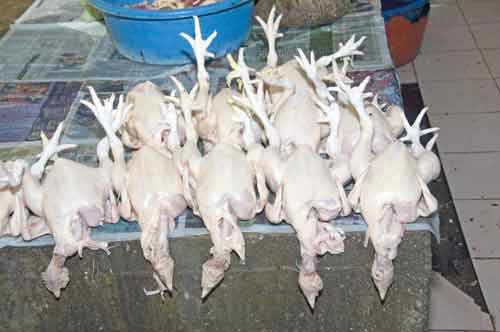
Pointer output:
x,y
226,237
154,242
318,239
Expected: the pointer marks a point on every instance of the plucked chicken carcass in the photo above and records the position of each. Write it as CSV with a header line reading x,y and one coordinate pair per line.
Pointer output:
x,y
391,187
73,197
15,219
153,189
220,184
298,90
307,196
290,89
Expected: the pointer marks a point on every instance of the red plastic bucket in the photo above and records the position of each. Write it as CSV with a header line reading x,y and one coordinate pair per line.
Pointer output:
x,y
405,23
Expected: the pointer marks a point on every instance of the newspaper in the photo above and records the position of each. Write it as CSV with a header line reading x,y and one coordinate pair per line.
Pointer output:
x,y
74,50
49,58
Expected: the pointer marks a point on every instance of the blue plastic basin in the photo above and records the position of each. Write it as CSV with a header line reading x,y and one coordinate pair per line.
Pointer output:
x,y
152,36
411,9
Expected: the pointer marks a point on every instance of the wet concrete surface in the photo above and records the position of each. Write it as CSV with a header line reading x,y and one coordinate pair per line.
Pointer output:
x,y
106,292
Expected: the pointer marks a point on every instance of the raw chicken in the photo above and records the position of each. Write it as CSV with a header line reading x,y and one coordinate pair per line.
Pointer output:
x,y
154,188
390,189
307,196
73,197
219,185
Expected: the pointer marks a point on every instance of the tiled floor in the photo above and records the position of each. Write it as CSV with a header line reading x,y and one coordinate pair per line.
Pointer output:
x,y
458,71
453,310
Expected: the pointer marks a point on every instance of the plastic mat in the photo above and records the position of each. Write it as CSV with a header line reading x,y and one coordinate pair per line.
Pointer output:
x,y
189,225
62,51
49,57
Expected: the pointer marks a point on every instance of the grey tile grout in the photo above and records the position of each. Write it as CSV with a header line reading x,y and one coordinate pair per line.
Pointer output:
x,y
470,152
445,114
477,46
460,80
462,49
483,57
490,48
446,25
492,77
477,199
449,51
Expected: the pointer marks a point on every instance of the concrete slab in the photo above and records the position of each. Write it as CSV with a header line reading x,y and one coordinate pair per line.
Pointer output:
x,y
106,292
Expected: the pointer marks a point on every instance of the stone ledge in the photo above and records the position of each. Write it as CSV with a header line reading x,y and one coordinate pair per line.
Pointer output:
x,y
106,292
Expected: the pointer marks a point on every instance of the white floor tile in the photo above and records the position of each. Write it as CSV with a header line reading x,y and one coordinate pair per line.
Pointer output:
x,y
407,74
472,175
465,96
480,11
451,38
488,272
493,60
450,66
468,132
480,221
451,309
445,13
486,34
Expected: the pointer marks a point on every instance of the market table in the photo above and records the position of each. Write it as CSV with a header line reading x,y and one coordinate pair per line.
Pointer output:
x,y
47,61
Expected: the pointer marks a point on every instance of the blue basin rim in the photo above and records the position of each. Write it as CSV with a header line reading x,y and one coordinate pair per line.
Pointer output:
x,y
397,11
144,14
